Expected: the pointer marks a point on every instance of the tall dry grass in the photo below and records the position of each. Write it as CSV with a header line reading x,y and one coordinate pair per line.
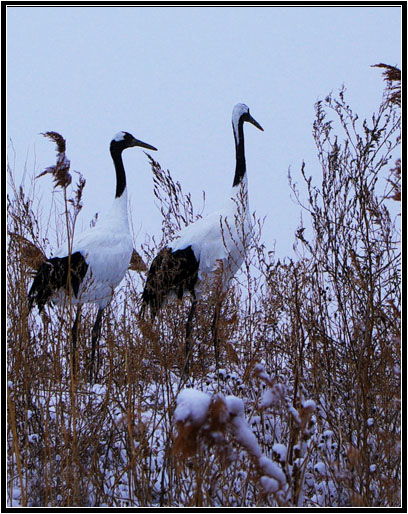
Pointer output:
x,y
310,344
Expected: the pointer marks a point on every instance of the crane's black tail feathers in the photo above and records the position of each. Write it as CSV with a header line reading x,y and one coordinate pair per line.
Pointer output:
x,y
170,272
53,274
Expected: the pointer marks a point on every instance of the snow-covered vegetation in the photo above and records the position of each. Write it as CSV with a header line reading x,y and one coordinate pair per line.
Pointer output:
x,y
305,410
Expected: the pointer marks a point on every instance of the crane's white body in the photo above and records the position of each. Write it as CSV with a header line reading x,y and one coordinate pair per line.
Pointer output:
x,y
213,247
219,241
107,249
100,256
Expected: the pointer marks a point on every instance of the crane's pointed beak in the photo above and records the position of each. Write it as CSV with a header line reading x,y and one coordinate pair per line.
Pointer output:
x,y
254,122
137,142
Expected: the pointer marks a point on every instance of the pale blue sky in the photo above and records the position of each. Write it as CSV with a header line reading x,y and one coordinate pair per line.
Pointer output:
x,y
171,76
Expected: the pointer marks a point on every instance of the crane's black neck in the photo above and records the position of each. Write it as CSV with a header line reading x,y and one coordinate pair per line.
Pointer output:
x,y
240,168
116,153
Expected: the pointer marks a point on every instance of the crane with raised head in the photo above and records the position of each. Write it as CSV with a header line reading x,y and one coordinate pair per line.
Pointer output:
x,y
98,259
212,247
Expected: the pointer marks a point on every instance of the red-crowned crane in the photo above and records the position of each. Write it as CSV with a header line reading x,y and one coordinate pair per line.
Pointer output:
x,y
98,260
211,247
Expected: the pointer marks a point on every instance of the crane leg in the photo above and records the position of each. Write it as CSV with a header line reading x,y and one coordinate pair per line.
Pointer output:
x,y
96,332
214,332
186,368
74,333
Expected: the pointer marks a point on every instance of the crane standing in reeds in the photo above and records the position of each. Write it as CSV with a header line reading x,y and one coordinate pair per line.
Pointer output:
x,y
211,247
88,269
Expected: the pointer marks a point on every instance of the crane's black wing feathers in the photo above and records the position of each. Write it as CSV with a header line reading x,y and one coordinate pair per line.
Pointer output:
x,y
170,271
53,275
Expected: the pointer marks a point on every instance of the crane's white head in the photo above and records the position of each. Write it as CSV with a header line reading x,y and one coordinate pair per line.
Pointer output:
x,y
124,140
240,113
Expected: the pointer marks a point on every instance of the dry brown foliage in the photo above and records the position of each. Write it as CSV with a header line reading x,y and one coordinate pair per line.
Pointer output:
x,y
392,75
60,171
31,256
136,262
311,345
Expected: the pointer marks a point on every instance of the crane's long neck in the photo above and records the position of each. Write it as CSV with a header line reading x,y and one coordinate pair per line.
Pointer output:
x,y
120,172
240,168
118,213
240,184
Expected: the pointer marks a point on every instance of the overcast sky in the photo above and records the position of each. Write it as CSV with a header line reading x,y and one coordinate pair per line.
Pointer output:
x,y
171,76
